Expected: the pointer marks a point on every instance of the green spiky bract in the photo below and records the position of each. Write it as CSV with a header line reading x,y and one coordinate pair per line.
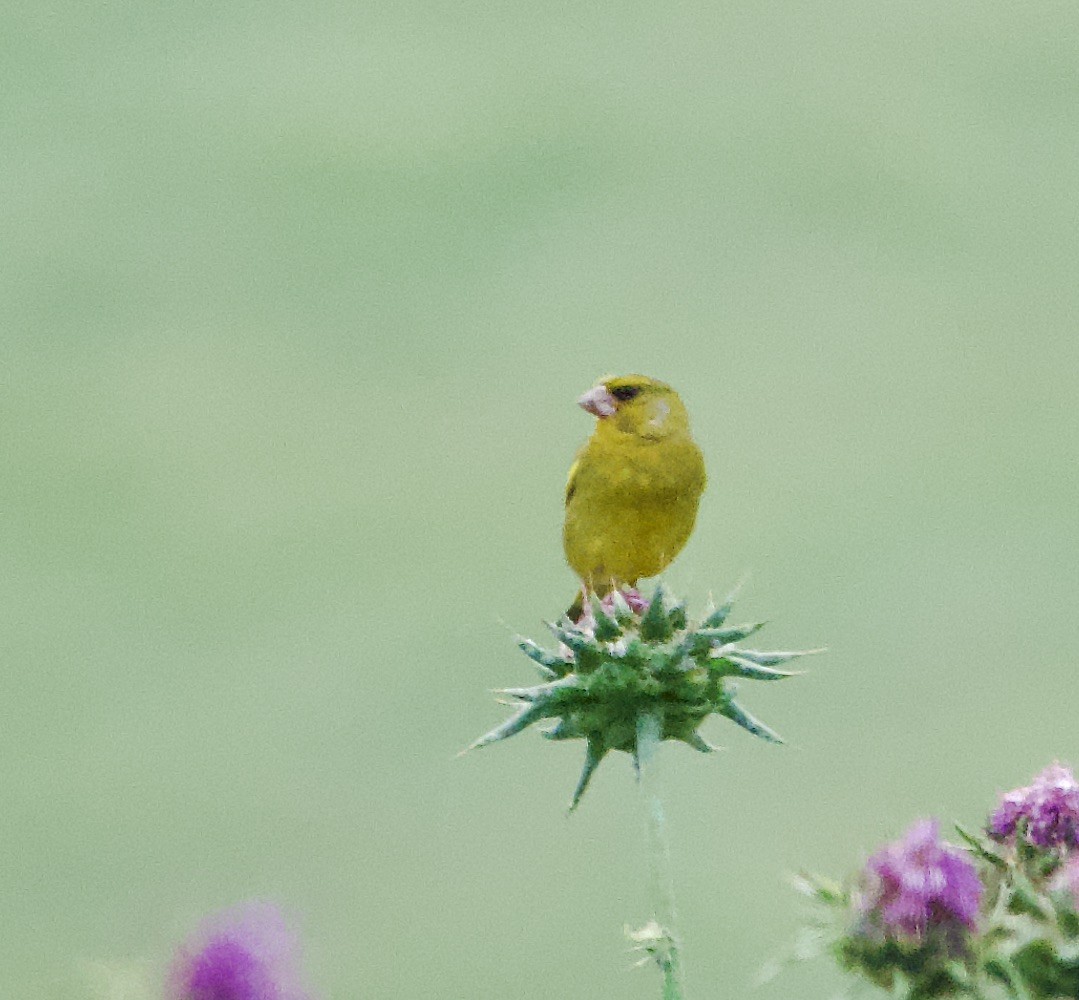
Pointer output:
x,y
616,667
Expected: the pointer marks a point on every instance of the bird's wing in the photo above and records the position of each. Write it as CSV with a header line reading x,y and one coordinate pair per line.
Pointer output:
x,y
571,480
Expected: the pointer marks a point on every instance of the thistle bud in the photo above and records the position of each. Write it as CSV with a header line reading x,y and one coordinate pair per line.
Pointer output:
x,y
626,657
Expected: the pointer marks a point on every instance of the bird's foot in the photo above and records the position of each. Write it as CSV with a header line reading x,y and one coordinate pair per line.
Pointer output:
x,y
637,602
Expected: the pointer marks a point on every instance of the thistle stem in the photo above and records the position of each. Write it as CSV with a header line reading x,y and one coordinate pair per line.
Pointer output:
x,y
649,736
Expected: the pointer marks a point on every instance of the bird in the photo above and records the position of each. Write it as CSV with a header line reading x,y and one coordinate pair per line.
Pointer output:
x,y
633,489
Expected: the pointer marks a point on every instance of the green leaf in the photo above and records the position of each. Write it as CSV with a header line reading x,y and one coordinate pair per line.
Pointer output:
x,y
957,972
978,846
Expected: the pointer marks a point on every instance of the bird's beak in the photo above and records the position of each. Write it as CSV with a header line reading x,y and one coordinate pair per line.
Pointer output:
x,y
599,402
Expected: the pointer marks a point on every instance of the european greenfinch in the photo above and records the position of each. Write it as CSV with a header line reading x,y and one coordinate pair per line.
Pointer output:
x,y
633,490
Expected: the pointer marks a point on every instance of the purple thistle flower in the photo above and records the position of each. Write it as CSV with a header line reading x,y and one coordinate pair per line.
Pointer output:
x,y
247,952
920,882
1049,806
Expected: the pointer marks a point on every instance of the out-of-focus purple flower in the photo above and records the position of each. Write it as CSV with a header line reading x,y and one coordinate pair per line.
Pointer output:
x,y
920,882
1049,806
248,952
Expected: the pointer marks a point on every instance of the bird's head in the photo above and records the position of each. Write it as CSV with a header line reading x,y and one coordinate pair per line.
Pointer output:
x,y
637,404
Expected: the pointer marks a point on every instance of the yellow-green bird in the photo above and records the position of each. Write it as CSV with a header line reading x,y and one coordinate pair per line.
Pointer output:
x,y
632,493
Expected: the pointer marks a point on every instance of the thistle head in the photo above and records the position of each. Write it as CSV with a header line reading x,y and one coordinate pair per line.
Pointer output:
x,y
627,657
920,882
907,923
1043,814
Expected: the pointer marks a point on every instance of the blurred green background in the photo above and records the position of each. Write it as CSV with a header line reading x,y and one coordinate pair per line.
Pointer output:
x,y
296,301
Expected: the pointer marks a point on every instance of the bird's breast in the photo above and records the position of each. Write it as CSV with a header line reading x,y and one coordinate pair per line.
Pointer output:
x,y
632,508
655,471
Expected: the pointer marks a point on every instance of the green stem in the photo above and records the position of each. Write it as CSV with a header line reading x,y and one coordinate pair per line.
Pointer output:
x,y
649,736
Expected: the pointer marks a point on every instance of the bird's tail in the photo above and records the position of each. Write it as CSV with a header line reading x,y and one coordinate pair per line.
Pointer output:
x,y
576,610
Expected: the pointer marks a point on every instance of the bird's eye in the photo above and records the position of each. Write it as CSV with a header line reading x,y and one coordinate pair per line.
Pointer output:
x,y
624,393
